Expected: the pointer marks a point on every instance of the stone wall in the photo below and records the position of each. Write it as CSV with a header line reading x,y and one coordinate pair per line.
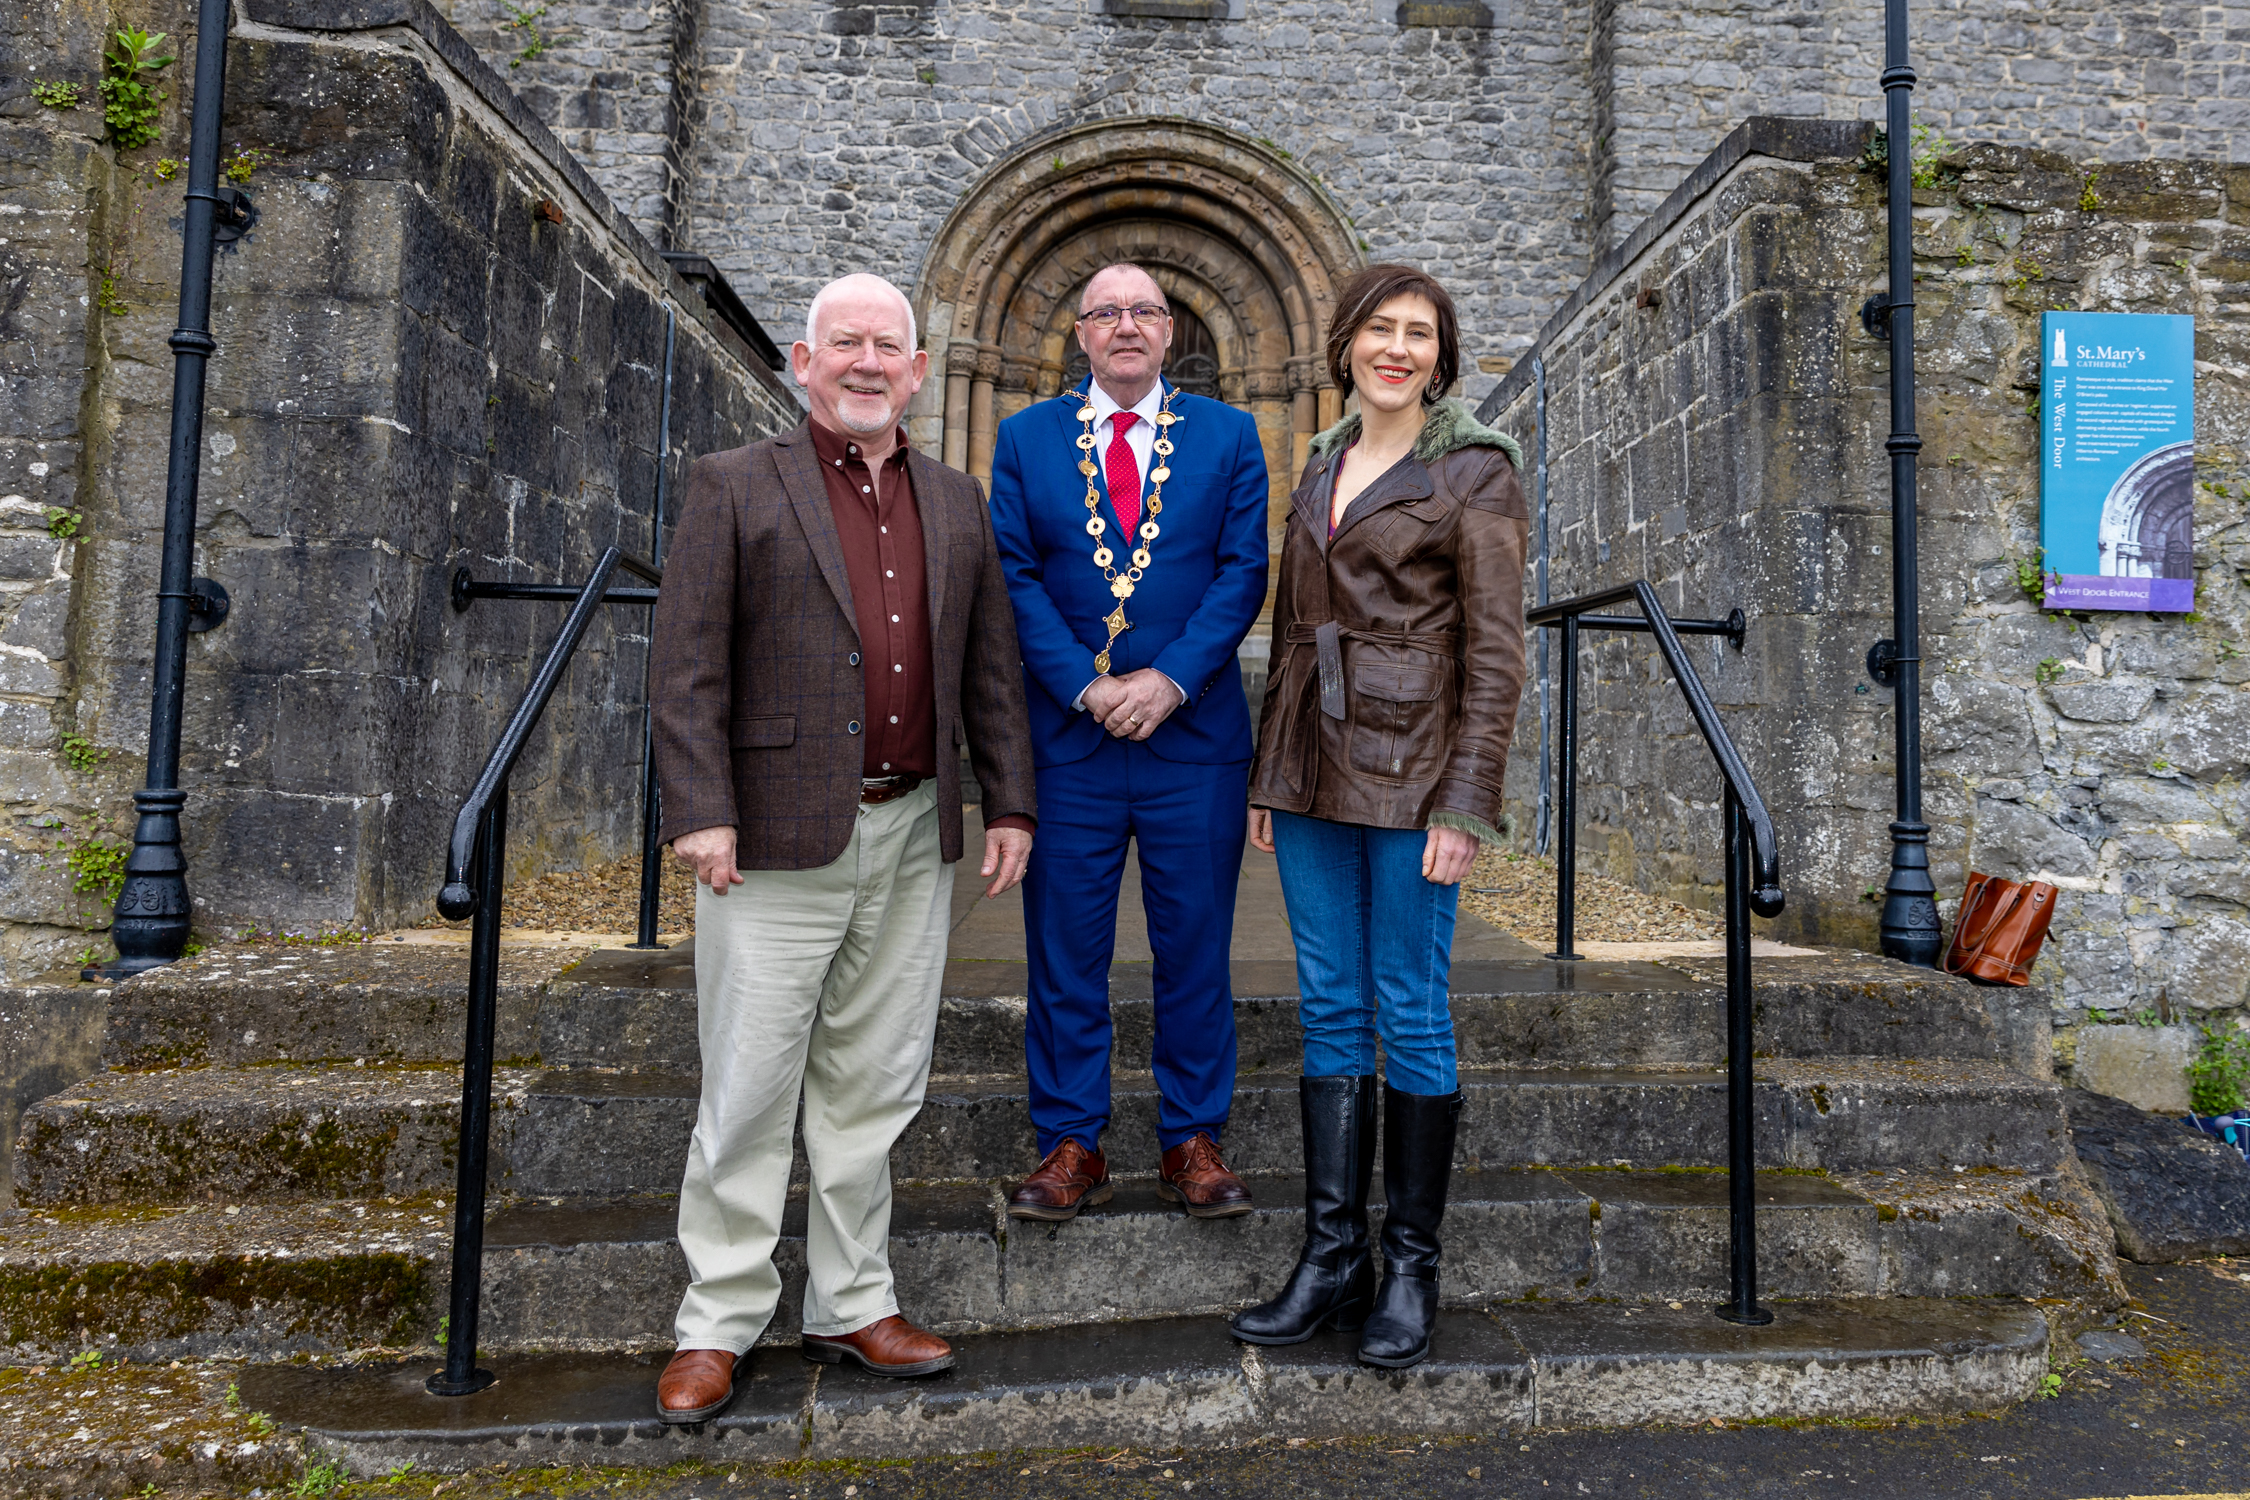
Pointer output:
x,y
2086,77
1714,422
1503,153
440,347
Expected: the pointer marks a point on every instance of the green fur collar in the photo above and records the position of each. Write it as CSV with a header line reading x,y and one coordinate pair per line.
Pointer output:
x,y
1449,427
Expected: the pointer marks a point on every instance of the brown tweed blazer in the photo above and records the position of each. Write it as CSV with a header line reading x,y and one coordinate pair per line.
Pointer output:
x,y
753,680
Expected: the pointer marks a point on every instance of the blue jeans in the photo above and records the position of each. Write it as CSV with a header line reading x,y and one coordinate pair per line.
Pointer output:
x,y
1374,947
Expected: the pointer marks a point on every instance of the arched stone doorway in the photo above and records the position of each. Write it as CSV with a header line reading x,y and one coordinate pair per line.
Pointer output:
x,y
1242,241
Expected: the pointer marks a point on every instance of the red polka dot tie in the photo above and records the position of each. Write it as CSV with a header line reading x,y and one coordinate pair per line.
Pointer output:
x,y
1124,479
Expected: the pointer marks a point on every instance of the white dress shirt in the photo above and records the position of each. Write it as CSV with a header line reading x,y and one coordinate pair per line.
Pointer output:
x,y
1141,438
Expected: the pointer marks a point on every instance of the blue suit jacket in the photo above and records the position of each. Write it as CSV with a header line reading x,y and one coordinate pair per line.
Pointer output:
x,y
1205,582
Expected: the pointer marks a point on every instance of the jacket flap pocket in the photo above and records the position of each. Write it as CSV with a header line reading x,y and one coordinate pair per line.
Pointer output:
x,y
773,729
1428,509
1396,684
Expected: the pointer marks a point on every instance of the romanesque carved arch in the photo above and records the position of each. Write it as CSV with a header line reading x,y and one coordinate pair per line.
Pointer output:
x,y
1231,229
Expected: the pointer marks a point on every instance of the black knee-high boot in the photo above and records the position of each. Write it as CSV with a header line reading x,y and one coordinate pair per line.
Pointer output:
x,y
1334,1282
1418,1132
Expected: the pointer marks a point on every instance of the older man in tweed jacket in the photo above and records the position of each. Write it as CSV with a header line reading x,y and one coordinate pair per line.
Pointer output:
x,y
833,628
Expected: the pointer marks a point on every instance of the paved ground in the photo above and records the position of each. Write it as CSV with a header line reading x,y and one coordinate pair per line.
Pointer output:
x,y
2167,1422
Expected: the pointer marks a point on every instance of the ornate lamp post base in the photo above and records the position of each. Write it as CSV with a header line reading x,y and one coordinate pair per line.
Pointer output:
x,y
150,928
1909,931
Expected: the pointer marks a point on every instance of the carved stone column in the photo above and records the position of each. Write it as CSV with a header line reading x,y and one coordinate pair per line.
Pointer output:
x,y
960,364
984,427
1304,411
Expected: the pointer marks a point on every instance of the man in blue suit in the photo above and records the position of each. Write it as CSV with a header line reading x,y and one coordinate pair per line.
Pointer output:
x,y
1131,521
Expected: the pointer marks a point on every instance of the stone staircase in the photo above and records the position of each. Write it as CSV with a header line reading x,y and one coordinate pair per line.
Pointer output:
x,y
265,1169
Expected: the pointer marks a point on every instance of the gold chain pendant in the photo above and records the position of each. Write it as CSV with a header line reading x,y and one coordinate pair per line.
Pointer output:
x,y
1121,584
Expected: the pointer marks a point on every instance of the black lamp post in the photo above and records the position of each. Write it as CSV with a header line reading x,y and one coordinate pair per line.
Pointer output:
x,y
150,927
1910,918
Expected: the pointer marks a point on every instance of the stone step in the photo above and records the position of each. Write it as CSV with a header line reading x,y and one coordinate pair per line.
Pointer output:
x,y
1161,1384
620,1008
279,1133
273,1280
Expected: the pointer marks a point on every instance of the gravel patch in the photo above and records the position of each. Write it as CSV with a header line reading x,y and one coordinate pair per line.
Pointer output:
x,y
1516,893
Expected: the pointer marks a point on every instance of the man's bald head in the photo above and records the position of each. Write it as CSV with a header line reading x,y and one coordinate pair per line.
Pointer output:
x,y
859,284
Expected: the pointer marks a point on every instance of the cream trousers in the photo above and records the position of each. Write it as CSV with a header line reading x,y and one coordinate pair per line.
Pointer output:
x,y
826,982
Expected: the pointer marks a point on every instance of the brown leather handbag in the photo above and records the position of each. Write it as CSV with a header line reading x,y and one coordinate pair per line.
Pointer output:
x,y
2002,924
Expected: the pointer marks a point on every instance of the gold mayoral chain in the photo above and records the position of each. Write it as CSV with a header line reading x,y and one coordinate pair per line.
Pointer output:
x,y
1121,584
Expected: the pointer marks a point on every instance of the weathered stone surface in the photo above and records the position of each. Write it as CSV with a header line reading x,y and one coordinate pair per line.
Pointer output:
x,y
50,1037
2146,1066
1159,1384
2104,752
352,460
2172,1192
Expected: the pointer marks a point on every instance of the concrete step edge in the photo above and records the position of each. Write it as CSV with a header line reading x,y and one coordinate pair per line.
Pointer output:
x,y
1164,1383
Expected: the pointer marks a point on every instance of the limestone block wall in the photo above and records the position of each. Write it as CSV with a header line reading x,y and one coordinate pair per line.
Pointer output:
x,y
62,194
838,138
614,81
2086,77
440,347
791,142
1713,421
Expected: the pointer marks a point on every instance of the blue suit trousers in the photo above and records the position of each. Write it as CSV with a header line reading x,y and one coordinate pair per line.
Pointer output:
x,y
1190,822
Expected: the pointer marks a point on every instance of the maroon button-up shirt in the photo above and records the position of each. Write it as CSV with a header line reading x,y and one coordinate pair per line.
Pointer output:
x,y
881,535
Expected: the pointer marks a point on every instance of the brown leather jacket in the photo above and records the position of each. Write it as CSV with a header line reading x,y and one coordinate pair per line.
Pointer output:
x,y
1423,584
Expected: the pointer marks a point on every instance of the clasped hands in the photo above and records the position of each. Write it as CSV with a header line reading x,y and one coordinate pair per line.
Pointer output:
x,y
710,853
1130,707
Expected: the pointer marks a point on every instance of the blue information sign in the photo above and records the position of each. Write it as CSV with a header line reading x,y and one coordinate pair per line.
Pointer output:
x,y
2117,460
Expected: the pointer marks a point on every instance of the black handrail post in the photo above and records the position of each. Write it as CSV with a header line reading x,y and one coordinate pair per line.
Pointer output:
x,y
153,914
461,1377
1909,924
652,853
1742,1190
1566,802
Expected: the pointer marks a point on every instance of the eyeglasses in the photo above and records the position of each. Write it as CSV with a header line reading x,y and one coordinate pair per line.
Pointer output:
x,y
1143,313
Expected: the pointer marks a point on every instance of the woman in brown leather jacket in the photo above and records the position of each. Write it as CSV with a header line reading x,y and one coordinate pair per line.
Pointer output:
x,y
1390,700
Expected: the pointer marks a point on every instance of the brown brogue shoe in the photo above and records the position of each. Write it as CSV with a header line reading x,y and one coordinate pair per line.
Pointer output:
x,y
697,1385
1071,1178
887,1346
1194,1176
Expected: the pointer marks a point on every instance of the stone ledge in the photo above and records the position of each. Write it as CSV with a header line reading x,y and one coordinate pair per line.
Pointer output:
x,y
1440,13
1170,10
1182,1380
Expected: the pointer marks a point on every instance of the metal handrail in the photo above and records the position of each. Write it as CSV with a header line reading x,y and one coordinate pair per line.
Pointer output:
x,y
478,854
1749,839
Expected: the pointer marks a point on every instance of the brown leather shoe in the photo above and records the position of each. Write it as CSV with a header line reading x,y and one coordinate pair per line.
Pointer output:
x,y
1071,1178
887,1346
697,1385
1193,1176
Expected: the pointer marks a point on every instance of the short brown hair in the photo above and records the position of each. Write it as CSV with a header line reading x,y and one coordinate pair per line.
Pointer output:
x,y
1369,290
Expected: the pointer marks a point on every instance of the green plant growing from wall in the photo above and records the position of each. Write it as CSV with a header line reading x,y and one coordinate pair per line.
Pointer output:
x,y
131,102
2031,576
523,20
62,524
1930,148
165,168
82,754
245,160
2088,200
97,867
106,296
56,94
2219,1073
2050,670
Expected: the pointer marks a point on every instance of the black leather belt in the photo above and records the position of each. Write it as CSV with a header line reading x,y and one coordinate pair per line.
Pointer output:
x,y
874,789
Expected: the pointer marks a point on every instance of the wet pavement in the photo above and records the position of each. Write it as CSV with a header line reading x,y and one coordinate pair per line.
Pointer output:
x,y
2154,1407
